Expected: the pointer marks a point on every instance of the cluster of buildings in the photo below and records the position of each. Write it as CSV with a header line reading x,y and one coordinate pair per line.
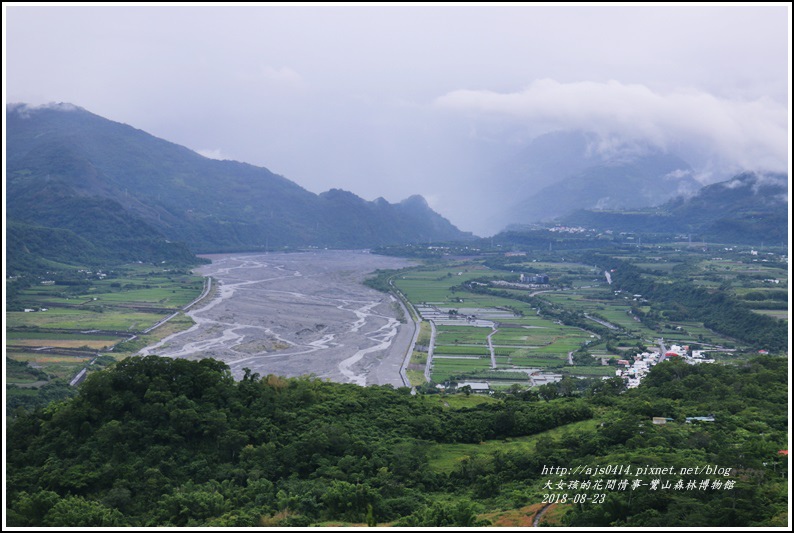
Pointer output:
x,y
540,279
525,282
634,370
570,229
659,420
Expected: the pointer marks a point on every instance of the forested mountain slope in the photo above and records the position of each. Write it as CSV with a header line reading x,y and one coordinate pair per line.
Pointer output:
x,y
131,194
157,442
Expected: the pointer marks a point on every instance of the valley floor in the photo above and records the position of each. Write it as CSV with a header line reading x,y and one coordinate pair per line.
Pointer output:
x,y
298,314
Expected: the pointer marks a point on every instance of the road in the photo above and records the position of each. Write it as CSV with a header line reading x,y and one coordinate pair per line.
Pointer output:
x,y
429,364
602,322
410,314
662,351
490,347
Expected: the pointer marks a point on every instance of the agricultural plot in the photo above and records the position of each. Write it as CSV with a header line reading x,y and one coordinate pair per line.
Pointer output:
x,y
443,349
523,343
81,320
58,366
445,369
70,320
461,335
433,286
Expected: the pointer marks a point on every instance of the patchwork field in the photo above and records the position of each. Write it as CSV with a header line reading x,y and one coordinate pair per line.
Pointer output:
x,y
59,326
524,339
521,341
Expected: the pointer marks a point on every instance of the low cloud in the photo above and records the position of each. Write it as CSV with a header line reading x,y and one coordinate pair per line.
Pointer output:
x,y
211,153
766,180
24,110
746,133
677,174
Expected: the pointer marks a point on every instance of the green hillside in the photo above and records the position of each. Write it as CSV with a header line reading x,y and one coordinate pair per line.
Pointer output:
x,y
749,208
161,442
129,193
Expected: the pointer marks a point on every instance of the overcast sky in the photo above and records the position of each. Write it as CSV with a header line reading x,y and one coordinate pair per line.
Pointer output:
x,y
398,100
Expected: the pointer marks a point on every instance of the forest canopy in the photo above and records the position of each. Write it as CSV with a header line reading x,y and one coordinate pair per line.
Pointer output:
x,y
161,442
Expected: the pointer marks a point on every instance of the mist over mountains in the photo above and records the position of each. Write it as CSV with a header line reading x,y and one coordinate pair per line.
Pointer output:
x,y
81,186
561,172
750,208
130,195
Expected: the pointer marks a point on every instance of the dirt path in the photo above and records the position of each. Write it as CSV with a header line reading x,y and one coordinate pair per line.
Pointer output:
x,y
298,314
540,514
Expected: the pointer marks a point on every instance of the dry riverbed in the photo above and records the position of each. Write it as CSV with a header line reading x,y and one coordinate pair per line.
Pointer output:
x,y
298,314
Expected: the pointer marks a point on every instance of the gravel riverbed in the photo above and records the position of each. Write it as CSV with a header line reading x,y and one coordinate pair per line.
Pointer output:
x,y
298,314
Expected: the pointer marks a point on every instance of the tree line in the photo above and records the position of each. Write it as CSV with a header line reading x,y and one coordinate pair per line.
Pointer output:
x,y
162,442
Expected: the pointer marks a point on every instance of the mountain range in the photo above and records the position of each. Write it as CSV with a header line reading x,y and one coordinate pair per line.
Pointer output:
x,y
82,188
561,172
79,184
751,208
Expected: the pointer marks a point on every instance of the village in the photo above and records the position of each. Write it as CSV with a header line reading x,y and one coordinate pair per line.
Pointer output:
x,y
634,371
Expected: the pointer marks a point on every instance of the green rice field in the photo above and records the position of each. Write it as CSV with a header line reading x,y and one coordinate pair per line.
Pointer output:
x,y
530,341
526,340
72,319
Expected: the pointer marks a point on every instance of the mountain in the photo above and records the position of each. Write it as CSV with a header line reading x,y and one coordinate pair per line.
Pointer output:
x,y
560,172
641,181
131,194
751,207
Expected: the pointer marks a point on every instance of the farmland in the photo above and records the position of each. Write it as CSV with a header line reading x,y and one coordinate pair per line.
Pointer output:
x,y
521,341
491,328
62,322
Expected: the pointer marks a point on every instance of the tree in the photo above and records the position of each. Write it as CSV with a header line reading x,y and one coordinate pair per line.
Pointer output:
x,y
75,511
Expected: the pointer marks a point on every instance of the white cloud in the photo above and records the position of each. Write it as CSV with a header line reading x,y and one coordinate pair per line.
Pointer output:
x,y
762,180
677,174
747,133
214,153
24,109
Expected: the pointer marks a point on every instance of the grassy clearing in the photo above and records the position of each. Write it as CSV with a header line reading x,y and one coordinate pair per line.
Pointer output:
x,y
416,377
444,458
13,335
460,401
94,345
424,333
774,313
80,320
60,366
